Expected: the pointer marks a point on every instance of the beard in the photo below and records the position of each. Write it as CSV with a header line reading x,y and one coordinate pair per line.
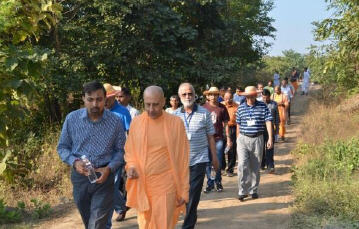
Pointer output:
x,y
187,103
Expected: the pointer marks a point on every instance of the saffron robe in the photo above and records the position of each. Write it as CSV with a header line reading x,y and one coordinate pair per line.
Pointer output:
x,y
159,150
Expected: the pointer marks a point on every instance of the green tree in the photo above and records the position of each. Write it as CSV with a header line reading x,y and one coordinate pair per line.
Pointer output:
x,y
338,62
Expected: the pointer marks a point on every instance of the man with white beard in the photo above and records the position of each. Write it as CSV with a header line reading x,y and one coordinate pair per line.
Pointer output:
x,y
200,133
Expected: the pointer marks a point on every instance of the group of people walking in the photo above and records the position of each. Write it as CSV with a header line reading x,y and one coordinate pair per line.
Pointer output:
x,y
166,155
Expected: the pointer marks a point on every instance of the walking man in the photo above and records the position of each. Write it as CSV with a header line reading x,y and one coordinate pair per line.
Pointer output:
x,y
268,153
119,202
288,91
282,102
231,138
124,98
253,117
276,78
305,82
98,134
157,164
200,133
220,118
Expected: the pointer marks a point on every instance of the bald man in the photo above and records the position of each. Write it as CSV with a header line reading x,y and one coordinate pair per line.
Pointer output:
x,y
157,154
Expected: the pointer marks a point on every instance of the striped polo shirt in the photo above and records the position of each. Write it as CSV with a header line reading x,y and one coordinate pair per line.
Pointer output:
x,y
251,119
198,126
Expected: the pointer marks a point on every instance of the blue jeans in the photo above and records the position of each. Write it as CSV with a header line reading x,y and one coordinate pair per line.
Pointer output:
x,y
119,202
94,201
218,178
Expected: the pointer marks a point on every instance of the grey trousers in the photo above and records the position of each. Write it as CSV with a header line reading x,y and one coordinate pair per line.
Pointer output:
x,y
249,152
94,201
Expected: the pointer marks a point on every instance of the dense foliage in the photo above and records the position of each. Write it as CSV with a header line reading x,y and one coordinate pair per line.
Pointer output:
x,y
338,62
49,48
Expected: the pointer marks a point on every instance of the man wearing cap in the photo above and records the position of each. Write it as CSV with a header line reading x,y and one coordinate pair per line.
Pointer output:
x,y
112,104
98,134
115,107
253,117
220,118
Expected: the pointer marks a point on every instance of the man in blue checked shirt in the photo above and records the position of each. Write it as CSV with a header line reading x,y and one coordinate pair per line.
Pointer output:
x,y
200,133
253,117
97,133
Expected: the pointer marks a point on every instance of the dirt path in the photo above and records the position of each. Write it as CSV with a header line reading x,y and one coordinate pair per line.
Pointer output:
x,y
224,210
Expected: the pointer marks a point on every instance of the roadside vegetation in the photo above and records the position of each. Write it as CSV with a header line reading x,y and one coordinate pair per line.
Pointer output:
x,y
325,179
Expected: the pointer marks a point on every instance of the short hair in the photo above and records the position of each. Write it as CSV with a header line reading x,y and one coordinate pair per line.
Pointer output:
x,y
286,79
260,83
266,92
126,91
175,97
188,84
92,86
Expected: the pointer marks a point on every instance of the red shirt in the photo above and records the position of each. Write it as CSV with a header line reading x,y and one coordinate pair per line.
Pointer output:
x,y
219,115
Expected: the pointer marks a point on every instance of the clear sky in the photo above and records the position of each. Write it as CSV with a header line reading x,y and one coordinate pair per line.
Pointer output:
x,y
293,21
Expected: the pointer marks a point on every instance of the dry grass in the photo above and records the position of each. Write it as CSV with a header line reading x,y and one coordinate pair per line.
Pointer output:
x,y
324,122
50,182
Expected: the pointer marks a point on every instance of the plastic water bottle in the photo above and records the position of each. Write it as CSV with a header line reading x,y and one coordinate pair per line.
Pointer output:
x,y
213,173
91,170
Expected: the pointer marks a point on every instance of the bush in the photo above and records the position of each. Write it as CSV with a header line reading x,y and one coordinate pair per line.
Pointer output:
x,y
325,182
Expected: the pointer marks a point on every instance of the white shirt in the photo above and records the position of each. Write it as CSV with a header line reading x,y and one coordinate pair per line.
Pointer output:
x,y
287,91
306,77
169,110
133,111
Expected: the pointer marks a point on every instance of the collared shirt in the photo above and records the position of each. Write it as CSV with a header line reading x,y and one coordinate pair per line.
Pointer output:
x,y
220,116
273,108
133,111
239,99
123,113
170,111
232,111
288,91
102,141
252,119
198,126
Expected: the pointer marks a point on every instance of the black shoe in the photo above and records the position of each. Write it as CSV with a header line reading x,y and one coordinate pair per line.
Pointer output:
x,y
241,197
208,189
219,187
255,196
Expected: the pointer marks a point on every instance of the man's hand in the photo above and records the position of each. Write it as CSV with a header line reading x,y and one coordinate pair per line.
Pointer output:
x,y
180,202
270,144
132,173
80,167
229,143
105,171
215,163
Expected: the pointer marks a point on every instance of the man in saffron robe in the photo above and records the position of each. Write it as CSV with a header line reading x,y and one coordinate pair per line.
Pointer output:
x,y
157,154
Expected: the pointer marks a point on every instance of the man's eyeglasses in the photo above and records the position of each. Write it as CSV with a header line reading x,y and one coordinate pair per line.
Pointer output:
x,y
185,94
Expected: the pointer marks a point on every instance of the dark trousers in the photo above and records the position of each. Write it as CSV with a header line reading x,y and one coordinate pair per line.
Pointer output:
x,y
268,154
232,153
94,201
289,111
197,173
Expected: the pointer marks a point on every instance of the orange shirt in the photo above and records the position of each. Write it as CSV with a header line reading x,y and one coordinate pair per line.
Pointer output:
x,y
232,111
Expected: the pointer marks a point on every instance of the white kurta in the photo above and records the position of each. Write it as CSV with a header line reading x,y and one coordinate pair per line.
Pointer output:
x,y
305,82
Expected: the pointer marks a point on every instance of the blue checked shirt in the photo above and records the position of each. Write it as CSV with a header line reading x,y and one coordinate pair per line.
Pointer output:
x,y
198,125
259,113
101,141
